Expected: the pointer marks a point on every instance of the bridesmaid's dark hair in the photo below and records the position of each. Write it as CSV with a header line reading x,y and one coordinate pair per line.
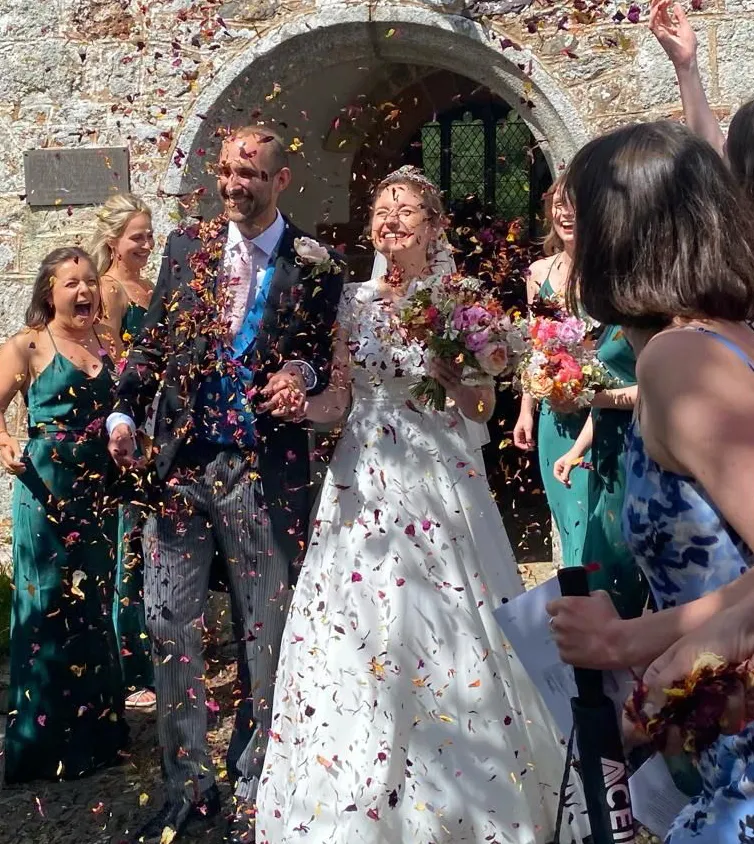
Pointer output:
x,y
41,310
662,230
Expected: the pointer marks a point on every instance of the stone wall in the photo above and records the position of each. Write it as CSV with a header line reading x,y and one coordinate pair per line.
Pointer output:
x,y
159,76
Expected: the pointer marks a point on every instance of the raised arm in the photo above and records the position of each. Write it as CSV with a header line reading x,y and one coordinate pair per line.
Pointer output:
x,y
671,27
14,376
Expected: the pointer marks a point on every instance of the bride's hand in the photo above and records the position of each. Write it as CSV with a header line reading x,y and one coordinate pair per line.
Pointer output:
x,y
447,373
476,403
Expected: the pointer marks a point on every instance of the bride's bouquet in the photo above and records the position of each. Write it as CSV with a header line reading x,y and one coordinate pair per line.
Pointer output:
x,y
558,361
455,320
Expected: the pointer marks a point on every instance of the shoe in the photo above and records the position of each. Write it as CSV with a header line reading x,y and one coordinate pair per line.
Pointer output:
x,y
179,817
242,825
144,699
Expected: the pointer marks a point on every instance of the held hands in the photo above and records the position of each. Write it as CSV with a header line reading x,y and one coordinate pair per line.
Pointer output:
x,y
11,454
671,27
587,631
122,446
285,396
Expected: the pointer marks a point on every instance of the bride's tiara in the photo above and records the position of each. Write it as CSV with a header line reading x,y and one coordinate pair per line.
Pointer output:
x,y
409,173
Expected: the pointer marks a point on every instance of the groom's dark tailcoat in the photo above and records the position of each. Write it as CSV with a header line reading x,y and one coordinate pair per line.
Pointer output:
x,y
172,354
174,345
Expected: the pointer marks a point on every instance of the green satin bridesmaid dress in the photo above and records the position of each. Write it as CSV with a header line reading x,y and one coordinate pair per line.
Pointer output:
x,y
66,689
588,513
556,434
130,623
611,564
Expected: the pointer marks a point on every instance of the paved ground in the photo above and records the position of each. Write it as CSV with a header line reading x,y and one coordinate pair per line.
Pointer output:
x,y
102,808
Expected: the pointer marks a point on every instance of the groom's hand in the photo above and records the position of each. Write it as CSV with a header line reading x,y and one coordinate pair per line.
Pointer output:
x,y
285,395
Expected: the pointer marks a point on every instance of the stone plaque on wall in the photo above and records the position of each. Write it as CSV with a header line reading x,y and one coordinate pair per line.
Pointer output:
x,y
75,176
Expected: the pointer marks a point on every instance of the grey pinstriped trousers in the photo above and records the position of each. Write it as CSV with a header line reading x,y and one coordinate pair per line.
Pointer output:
x,y
217,507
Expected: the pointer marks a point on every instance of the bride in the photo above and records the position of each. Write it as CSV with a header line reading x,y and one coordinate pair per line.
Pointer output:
x,y
400,713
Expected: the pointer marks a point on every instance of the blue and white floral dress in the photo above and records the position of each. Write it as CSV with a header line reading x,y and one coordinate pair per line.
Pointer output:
x,y
687,549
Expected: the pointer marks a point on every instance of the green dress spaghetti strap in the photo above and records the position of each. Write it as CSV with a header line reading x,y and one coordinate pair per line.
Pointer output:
x,y
556,434
66,689
128,610
610,561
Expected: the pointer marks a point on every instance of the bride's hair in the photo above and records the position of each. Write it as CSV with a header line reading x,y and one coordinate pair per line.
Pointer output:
x,y
408,175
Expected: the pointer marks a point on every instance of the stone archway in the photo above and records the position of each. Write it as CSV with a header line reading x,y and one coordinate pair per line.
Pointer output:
x,y
330,49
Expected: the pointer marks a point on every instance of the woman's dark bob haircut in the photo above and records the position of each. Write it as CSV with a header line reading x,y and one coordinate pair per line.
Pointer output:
x,y
41,310
662,230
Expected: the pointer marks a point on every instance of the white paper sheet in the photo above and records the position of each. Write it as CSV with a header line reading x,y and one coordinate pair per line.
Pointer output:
x,y
525,623
655,799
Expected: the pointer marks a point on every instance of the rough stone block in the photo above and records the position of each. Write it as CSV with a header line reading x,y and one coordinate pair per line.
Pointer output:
x,y
53,69
19,22
15,294
87,20
112,72
656,84
734,64
737,7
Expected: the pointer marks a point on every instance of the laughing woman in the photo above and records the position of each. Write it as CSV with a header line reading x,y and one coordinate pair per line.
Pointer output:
x,y
66,691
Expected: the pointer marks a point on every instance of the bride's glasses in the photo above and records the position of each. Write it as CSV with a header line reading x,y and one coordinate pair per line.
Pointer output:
x,y
406,213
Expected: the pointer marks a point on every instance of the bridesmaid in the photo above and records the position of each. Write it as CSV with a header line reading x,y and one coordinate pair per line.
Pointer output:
x,y
557,432
605,551
121,245
66,688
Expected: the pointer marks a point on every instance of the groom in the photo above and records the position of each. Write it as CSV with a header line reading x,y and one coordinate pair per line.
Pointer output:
x,y
238,333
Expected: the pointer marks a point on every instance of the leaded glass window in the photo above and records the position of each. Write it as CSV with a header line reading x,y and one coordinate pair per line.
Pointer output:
x,y
487,153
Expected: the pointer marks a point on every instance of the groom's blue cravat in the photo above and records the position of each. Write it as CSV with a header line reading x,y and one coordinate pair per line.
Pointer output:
x,y
223,409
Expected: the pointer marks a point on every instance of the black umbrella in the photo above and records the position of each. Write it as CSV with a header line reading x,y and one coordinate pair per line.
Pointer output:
x,y
598,738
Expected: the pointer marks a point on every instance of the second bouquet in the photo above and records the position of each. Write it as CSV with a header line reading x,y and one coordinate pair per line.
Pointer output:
x,y
559,360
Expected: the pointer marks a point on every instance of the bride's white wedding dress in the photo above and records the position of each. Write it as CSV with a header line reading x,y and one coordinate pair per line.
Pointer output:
x,y
400,713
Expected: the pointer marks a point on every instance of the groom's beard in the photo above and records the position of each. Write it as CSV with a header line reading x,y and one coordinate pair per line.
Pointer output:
x,y
246,208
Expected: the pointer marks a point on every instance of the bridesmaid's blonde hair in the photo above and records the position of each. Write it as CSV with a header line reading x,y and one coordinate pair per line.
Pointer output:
x,y
112,219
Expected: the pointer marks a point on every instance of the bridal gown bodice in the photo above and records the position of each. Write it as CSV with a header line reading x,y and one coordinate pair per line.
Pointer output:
x,y
400,713
384,366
